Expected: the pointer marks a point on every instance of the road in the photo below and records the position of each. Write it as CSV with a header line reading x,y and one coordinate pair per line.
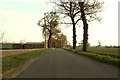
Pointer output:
x,y
59,63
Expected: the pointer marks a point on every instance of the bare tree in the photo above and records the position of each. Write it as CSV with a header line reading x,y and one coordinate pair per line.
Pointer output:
x,y
99,43
22,41
70,9
2,37
89,9
85,11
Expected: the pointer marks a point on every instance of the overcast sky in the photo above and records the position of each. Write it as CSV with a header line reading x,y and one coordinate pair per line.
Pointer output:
x,y
18,19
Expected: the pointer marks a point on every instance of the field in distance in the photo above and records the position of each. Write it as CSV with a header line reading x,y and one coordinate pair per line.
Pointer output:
x,y
14,51
104,50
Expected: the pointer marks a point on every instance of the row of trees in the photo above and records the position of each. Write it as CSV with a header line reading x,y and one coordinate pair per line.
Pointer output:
x,y
85,11
51,30
59,41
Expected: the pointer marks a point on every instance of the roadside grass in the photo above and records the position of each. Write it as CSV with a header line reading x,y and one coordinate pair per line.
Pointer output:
x,y
113,59
10,62
113,52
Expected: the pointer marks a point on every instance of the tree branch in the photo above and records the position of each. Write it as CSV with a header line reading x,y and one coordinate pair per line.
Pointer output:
x,y
77,20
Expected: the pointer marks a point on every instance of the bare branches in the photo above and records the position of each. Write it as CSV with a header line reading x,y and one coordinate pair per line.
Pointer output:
x,y
76,13
71,9
77,20
2,37
90,9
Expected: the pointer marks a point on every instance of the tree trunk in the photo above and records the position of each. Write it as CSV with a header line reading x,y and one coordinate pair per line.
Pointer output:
x,y
49,40
85,35
73,22
74,35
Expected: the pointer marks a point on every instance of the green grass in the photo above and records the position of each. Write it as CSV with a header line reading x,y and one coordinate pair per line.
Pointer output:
x,y
104,50
105,57
14,61
113,52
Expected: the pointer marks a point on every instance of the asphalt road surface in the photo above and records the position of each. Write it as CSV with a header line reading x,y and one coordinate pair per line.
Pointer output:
x,y
59,63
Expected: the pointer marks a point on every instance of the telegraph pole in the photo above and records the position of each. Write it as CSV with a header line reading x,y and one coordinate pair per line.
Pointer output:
x,y
45,44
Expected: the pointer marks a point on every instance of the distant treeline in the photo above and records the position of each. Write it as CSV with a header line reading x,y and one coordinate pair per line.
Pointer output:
x,y
99,46
112,46
106,46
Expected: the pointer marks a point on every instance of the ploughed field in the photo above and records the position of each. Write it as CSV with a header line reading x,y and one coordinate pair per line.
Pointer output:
x,y
14,51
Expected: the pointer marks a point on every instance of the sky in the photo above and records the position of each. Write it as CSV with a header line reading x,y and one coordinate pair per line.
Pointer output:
x,y
19,18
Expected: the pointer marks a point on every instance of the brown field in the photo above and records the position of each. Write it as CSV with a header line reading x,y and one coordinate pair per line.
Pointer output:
x,y
13,52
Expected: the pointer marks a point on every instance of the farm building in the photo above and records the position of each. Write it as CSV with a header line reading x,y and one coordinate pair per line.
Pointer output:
x,y
32,45
27,45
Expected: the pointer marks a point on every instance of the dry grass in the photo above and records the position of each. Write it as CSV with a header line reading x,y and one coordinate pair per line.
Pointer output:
x,y
14,51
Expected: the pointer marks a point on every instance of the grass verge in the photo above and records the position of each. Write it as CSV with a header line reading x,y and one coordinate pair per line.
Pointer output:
x,y
105,58
14,61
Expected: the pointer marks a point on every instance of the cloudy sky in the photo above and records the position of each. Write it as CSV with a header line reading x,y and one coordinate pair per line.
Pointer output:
x,y
18,20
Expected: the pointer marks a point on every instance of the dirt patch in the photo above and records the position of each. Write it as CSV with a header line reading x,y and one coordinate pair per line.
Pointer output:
x,y
15,51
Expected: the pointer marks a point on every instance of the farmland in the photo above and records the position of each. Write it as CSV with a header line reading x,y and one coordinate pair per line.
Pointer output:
x,y
104,50
14,51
